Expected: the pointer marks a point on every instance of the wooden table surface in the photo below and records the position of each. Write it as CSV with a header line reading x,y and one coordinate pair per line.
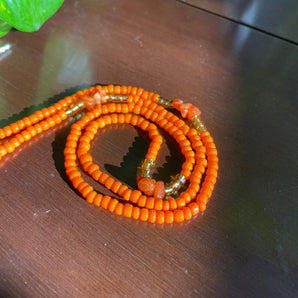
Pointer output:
x,y
54,244
277,18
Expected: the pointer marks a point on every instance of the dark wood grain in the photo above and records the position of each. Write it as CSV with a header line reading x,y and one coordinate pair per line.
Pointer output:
x,y
279,18
245,82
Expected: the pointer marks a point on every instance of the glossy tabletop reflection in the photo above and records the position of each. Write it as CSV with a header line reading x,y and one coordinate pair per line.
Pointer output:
x,y
54,244
277,18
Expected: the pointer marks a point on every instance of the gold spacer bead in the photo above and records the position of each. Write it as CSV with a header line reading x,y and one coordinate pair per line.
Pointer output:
x,y
197,124
75,108
145,168
177,182
165,102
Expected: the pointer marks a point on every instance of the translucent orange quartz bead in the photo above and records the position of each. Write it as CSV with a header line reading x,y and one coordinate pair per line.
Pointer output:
x,y
147,186
192,112
159,191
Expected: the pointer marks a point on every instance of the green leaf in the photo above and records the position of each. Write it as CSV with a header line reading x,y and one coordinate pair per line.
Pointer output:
x,y
27,15
4,28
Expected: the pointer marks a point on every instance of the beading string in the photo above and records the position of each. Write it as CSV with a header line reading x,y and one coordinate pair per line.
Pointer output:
x,y
182,198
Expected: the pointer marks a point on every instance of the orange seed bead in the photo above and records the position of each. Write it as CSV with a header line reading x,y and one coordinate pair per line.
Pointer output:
x,y
135,213
127,210
144,214
178,216
105,202
152,216
169,217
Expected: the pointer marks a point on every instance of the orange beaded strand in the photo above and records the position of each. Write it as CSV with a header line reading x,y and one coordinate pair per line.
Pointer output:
x,y
154,201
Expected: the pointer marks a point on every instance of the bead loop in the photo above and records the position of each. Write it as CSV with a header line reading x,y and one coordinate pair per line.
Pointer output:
x,y
153,201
